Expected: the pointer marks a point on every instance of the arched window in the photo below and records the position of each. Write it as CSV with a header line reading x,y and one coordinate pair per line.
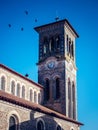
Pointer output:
x,y
51,45
67,45
59,127
31,94
18,89
70,46
23,91
44,49
73,92
45,46
13,87
13,123
57,40
47,90
69,98
72,128
73,101
72,49
3,82
35,97
39,98
40,125
57,88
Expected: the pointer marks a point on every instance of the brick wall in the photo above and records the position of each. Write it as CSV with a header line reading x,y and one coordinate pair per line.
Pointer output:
x,y
27,119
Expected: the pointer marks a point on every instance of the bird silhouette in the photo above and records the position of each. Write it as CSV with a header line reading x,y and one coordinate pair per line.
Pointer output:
x,y
35,20
26,75
9,25
26,12
57,18
22,28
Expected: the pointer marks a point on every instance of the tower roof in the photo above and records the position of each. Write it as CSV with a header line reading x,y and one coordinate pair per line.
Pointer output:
x,y
64,21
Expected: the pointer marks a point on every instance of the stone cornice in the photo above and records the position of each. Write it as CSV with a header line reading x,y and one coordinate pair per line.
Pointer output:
x,y
33,106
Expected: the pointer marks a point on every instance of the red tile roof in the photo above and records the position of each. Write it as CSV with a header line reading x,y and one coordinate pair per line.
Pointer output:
x,y
33,106
14,72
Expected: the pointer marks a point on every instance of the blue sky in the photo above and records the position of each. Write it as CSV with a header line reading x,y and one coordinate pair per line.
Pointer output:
x,y
19,49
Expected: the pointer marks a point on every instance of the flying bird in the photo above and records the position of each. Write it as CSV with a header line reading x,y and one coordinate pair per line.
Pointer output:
x,y
22,29
9,25
26,12
57,18
35,20
26,75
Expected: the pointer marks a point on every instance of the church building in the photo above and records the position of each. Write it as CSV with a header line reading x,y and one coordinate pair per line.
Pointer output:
x,y
50,104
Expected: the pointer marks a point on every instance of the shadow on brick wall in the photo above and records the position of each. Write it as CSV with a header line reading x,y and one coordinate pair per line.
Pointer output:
x,y
35,117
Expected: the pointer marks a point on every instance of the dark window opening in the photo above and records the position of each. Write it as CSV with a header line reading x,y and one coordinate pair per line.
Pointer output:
x,y
39,98
72,48
57,43
69,98
18,89
57,88
44,49
12,123
13,87
35,97
67,45
51,45
73,92
47,90
73,100
3,83
45,46
23,91
40,125
31,94
59,128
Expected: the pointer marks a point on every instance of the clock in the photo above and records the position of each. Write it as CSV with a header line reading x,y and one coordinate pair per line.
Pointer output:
x,y
51,64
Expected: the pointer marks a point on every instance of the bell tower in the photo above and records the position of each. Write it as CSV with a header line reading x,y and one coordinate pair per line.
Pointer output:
x,y
57,67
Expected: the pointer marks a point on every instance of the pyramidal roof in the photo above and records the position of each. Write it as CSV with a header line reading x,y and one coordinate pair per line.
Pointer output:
x,y
64,21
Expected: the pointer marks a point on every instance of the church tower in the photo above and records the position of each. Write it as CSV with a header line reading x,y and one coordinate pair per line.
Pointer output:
x,y
57,67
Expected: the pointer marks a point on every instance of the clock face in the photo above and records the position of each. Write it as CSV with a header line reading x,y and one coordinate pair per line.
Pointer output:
x,y
51,64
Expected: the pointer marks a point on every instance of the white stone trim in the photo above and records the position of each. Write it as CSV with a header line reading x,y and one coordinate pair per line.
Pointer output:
x,y
3,74
14,113
12,79
72,128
